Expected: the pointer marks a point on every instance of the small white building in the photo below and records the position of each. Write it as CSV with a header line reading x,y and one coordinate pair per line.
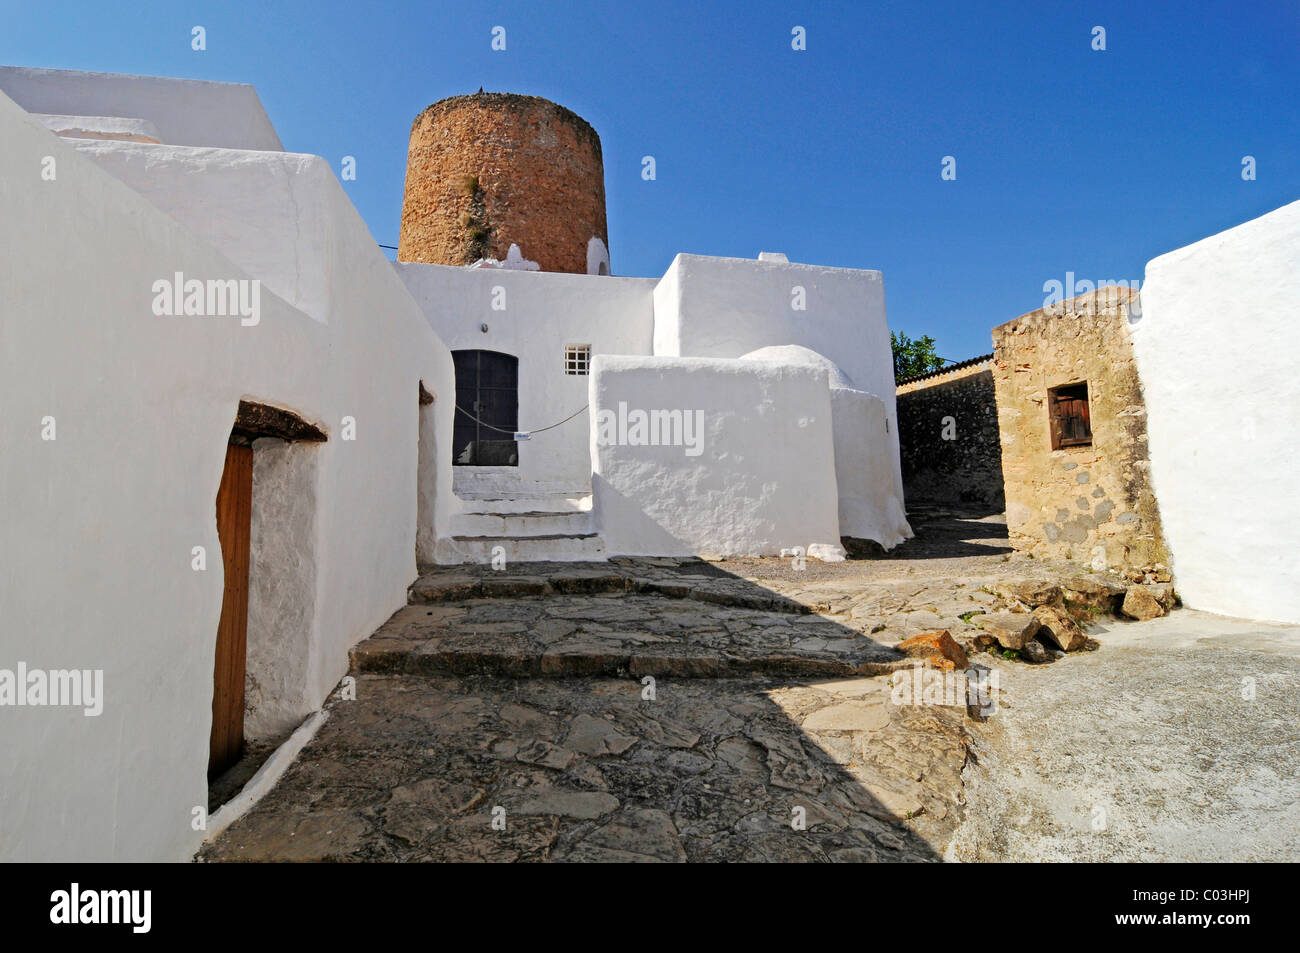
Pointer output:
x,y
728,343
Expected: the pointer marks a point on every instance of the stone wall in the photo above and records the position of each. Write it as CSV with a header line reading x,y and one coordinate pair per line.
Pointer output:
x,y
1090,503
494,169
957,460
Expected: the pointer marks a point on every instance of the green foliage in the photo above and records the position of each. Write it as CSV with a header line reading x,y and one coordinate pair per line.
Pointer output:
x,y
912,357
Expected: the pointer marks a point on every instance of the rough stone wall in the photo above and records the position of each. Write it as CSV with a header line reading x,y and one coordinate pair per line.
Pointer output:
x,y
1092,503
491,169
957,461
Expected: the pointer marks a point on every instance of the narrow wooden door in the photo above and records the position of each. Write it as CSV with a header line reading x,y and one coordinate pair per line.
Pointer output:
x,y
234,527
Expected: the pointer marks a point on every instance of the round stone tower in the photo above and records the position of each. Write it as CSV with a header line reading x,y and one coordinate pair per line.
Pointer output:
x,y
491,170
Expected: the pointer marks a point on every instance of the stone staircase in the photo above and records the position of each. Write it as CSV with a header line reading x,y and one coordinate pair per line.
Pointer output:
x,y
552,528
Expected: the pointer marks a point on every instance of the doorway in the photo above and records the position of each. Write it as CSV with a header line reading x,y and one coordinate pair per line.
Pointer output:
x,y
234,529
487,409
263,441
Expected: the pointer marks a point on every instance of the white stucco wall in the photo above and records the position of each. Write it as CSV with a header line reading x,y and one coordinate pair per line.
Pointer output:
x,y
1217,350
100,127
271,213
544,311
186,112
727,307
100,523
869,505
763,481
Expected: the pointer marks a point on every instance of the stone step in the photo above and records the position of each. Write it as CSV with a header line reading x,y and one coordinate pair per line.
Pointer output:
x,y
583,547
444,585
555,503
531,523
583,636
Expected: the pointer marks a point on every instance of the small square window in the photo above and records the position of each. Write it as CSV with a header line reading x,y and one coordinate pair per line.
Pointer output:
x,y
577,359
1070,419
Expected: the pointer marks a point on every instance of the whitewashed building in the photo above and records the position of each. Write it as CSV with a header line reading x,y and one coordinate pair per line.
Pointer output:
x,y
229,425
791,450
1217,349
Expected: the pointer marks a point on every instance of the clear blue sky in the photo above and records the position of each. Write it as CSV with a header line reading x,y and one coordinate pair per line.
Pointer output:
x,y
1067,159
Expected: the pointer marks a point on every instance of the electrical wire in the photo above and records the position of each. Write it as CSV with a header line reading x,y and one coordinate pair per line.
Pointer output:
x,y
513,432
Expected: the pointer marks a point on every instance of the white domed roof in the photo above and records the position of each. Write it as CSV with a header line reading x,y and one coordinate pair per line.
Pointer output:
x,y
797,354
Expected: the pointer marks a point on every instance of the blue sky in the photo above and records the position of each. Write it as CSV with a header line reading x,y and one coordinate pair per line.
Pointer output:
x,y
1068,159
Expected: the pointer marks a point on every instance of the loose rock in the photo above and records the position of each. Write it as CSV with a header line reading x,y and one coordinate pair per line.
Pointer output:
x,y
1141,604
1011,629
938,648
1035,653
1060,628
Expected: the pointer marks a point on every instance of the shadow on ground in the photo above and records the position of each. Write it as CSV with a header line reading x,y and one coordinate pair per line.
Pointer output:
x,y
641,710
947,533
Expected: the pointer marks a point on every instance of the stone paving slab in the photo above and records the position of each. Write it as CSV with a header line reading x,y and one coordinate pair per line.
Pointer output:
x,y
571,635
685,579
888,600
418,767
520,689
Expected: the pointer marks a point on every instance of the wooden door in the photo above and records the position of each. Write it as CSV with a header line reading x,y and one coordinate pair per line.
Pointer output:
x,y
234,527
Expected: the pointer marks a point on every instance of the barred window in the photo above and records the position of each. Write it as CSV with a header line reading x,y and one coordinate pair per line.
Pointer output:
x,y
577,359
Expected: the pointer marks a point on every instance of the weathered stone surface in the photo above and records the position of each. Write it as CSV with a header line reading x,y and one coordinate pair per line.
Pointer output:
x,y
759,707
491,169
1035,652
584,805
1059,628
645,836
968,469
596,736
506,586
586,769
566,635
1011,629
445,587
936,647
1087,502
1031,592
1140,603
1164,594
848,716
1096,589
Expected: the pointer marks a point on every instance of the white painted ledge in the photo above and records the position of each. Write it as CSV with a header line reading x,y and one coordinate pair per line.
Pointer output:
x,y
266,777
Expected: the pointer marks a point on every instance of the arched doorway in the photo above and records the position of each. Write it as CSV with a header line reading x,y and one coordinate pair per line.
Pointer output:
x,y
487,409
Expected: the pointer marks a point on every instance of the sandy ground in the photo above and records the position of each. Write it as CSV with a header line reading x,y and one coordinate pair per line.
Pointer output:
x,y
1178,741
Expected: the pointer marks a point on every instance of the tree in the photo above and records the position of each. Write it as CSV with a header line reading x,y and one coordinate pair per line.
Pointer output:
x,y
912,357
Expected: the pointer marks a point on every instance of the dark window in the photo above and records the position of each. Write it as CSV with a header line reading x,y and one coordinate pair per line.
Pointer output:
x,y
487,409
1070,420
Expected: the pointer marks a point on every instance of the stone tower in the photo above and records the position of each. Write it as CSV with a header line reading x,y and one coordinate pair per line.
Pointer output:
x,y
489,170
